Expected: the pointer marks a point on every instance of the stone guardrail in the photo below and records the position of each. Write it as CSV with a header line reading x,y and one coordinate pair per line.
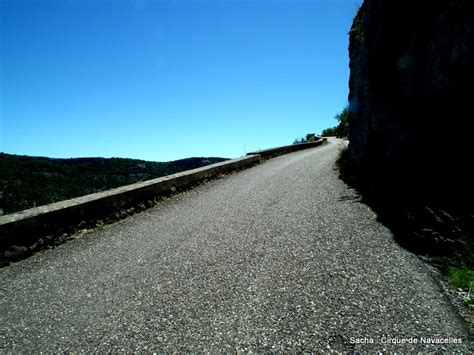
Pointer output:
x,y
26,227
272,152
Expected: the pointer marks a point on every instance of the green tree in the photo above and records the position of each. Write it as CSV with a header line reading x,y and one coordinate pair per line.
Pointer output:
x,y
329,132
342,129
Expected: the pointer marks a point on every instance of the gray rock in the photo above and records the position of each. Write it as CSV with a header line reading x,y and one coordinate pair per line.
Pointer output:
x,y
16,252
38,245
396,122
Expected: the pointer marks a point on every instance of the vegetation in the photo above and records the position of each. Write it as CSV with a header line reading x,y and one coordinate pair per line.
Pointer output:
x,y
343,119
100,224
461,277
459,267
357,29
343,158
310,137
328,132
27,182
342,129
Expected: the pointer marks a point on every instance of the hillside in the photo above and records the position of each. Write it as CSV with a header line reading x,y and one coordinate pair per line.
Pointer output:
x,y
27,182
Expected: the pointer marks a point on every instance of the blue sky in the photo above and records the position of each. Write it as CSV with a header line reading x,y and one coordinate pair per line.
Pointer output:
x,y
170,79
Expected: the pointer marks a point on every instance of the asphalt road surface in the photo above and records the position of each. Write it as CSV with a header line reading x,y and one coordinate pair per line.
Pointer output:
x,y
279,257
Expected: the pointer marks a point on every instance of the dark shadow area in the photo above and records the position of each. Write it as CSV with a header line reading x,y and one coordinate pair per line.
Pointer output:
x,y
434,222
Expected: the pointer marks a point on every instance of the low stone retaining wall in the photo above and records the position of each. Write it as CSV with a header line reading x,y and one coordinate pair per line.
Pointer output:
x,y
25,227
273,152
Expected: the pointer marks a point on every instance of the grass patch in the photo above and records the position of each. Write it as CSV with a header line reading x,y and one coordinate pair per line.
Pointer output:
x,y
100,224
459,267
461,277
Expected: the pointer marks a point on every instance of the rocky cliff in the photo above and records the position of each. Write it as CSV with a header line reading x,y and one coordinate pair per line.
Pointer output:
x,y
411,90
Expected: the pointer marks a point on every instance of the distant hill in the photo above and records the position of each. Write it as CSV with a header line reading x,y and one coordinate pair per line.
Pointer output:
x,y
27,182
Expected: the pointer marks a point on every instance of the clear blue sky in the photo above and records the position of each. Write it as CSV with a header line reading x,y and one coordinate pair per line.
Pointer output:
x,y
164,80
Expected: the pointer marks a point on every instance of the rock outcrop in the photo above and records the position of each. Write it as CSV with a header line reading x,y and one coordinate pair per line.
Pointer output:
x,y
411,92
410,102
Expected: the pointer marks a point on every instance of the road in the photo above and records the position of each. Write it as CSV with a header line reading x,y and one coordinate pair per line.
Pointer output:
x,y
279,257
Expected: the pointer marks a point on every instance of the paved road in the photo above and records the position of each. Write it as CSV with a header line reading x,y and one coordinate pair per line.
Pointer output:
x,y
278,257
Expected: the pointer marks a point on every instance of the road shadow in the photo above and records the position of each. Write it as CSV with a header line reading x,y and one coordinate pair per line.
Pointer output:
x,y
425,219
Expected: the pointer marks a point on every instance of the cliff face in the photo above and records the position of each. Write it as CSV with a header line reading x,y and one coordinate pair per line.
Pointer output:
x,y
411,93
